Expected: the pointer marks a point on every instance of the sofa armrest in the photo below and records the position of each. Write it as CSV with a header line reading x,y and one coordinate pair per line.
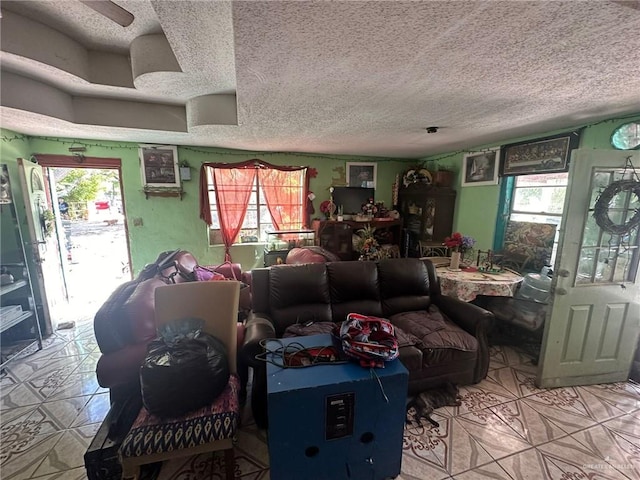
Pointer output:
x,y
467,315
475,321
122,367
257,328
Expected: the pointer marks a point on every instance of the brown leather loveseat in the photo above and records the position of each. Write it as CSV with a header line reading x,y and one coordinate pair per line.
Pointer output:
x,y
441,339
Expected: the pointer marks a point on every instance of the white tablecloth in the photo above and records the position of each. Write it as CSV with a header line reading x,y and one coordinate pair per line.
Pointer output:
x,y
466,285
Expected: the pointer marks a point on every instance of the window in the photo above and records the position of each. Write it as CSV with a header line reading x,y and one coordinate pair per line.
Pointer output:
x,y
539,199
604,257
258,220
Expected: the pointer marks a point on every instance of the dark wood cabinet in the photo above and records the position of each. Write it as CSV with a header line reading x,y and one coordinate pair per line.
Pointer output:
x,y
427,212
337,237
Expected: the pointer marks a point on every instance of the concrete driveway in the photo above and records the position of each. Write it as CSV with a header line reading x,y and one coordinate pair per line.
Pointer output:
x,y
98,264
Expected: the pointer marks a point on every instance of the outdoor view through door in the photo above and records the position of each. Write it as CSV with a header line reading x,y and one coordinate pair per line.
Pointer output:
x,y
86,200
94,238
242,202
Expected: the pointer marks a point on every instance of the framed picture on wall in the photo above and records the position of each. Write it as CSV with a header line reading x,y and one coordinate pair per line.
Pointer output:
x,y
361,174
159,166
544,155
480,168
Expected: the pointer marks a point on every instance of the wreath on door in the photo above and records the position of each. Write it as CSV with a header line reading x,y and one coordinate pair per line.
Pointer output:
x,y
601,209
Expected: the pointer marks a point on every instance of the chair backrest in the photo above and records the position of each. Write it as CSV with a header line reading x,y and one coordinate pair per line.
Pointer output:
x,y
214,302
530,241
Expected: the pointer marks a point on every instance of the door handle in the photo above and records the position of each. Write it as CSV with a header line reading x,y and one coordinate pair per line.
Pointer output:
x,y
563,273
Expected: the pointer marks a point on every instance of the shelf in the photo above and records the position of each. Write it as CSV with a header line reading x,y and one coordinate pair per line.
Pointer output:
x,y
163,192
5,325
19,323
12,286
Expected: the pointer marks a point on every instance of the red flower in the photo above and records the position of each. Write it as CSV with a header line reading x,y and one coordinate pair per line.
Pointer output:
x,y
324,206
453,241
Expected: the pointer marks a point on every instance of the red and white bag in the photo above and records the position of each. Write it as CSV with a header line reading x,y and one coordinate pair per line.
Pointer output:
x,y
370,340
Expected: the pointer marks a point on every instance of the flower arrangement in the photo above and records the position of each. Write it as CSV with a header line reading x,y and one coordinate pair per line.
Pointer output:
x,y
367,245
328,208
459,243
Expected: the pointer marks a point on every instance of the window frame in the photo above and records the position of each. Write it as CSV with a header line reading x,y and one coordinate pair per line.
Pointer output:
x,y
508,193
257,206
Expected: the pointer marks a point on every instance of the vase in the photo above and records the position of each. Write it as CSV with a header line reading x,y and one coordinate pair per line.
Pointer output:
x,y
455,261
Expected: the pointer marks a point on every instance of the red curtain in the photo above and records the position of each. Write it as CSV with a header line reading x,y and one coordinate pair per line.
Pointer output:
x,y
233,189
284,192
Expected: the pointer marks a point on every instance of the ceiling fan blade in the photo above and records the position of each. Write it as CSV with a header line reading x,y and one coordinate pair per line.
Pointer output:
x,y
110,10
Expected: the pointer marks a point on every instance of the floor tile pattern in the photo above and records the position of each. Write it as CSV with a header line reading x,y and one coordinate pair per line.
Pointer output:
x,y
505,428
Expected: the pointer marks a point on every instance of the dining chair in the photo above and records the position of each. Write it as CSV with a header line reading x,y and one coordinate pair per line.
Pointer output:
x,y
208,429
517,322
527,246
432,249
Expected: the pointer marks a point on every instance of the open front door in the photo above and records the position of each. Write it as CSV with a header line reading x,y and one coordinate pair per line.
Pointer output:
x,y
42,242
592,327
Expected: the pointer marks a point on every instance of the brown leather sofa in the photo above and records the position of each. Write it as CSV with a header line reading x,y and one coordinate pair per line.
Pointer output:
x,y
441,339
125,323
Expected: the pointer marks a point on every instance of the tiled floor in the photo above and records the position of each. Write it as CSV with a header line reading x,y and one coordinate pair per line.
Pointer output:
x,y
506,428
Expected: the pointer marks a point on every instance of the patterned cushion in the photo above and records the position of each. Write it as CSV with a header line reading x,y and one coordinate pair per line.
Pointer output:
x,y
150,434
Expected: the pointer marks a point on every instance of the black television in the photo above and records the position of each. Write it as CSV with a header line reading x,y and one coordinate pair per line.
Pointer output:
x,y
352,198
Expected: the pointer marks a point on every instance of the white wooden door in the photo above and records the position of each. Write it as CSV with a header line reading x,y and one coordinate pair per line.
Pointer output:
x,y
593,321
43,244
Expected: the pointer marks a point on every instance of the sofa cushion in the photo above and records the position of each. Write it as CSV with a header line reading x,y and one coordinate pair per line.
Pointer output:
x,y
411,357
420,323
354,289
151,434
404,283
406,338
442,342
304,330
298,293
451,336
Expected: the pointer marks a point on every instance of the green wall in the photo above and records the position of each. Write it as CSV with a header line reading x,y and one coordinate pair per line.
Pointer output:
x,y
477,207
157,224
160,223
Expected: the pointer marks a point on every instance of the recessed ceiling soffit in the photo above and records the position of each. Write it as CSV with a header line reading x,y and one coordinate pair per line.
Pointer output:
x,y
150,81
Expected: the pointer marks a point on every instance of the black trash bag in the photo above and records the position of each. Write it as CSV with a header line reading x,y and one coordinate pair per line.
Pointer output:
x,y
185,369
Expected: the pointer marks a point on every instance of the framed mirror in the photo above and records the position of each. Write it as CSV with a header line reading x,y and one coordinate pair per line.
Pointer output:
x,y
626,137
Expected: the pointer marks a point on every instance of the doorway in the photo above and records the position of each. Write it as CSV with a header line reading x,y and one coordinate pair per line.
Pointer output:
x,y
89,213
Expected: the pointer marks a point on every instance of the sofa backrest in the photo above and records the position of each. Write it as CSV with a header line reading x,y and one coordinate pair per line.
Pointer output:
x,y
405,285
298,294
327,292
354,287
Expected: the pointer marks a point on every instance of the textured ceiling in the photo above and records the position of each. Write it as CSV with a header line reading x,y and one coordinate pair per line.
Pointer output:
x,y
345,77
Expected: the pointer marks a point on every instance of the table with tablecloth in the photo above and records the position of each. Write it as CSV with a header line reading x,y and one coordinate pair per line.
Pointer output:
x,y
465,285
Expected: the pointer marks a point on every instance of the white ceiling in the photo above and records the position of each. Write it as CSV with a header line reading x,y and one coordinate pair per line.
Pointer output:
x,y
344,77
